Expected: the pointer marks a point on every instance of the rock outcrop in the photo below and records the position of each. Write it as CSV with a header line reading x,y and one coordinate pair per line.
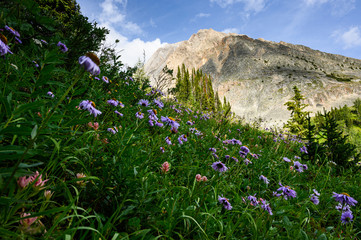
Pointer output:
x,y
257,76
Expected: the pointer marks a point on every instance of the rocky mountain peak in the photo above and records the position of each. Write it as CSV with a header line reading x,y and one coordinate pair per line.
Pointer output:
x,y
257,76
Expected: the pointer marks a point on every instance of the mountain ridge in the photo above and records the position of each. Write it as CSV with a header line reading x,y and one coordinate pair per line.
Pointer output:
x,y
257,76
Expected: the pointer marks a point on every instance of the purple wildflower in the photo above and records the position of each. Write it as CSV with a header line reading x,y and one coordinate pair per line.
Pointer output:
x,y
118,113
219,166
346,217
90,106
112,130
62,47
247,161
264,179
158,103
235,159
304,149
43,41
227,157
343,208
180,140
143,102
170,121
266,207
89,62
167,140
344,198
12,31
50,94
213,150
151,122
286,159
113,102
298,166
4,48
190,123
159,124
139,115
162,149
286,192
105,79
224,201
36,64
253,200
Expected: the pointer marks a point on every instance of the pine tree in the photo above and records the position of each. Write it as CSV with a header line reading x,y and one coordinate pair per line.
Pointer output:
x,y
297,124
337,148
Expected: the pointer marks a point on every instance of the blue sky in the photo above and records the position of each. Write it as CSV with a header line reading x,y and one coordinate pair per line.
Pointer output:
x,y
332,26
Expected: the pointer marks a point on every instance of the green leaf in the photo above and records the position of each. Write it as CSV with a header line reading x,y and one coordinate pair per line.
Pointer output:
x,y
29,106
322,237
34,132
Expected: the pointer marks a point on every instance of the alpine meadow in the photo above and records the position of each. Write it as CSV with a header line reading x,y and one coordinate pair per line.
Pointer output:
x,y
92,149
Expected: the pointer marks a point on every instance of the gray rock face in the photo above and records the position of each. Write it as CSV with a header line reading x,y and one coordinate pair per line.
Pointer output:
x,y
257,76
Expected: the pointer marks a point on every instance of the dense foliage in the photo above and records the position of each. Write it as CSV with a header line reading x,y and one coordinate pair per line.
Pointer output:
x,y
106,156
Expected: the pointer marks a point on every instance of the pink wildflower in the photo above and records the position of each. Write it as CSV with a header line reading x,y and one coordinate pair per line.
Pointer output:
x,y
28,221
24,181
204,179
39,182
165,167
198,177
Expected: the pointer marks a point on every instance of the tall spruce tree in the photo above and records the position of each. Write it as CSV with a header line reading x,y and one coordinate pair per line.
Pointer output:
x,y
298,122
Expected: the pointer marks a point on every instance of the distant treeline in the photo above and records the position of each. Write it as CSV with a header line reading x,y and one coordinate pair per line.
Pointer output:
x,y
196,89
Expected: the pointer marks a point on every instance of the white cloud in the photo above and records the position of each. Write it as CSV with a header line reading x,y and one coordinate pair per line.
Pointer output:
x,y
249,5
202,15
350,38
314,2
113,17
231,30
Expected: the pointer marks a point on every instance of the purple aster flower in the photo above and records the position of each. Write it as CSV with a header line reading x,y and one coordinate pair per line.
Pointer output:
x,y
247,161
314,199
224,201
158,103
286,159
118,113
167,140
50,94
143,102
152,114
94,111
346,217
215,155
286,192
245,149
304,149
96,78
90,106
227,157
18,40
344,198
180,140
139,115
298,166
170,121
43,41
4,48
90,62
36,64
235,159
184,138
159,124
151,122
304,166
297,157
253,200
266,207
190,123
62,47
264,179
105,79
112,130
213,150
12,31
219,166
343,208
162,149
113,102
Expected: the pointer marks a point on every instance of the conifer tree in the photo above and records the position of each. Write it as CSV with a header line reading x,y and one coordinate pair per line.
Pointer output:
x,y
297,124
